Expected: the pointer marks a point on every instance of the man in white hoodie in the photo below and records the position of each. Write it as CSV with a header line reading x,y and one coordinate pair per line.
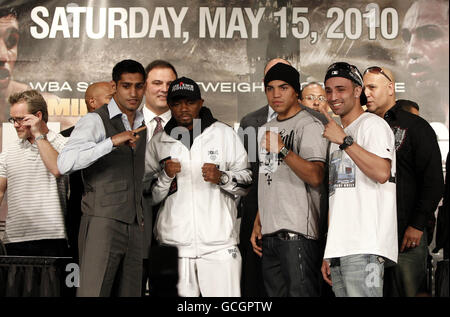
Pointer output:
x,y
198,166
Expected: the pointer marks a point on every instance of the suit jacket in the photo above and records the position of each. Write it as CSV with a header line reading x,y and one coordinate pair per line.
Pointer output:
x,y
73,216
249,204
252,283
147,213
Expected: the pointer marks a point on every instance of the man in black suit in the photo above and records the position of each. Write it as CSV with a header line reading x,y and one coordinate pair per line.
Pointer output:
x,y
252,282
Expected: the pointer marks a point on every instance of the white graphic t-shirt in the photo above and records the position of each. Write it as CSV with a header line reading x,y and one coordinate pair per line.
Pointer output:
x,y
363,216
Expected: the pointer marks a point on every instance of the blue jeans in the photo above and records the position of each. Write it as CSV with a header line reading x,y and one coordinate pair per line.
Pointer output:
x,y
291,267
359,275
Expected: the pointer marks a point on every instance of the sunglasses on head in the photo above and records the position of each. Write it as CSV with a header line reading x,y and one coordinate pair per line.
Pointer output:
x,y
377,70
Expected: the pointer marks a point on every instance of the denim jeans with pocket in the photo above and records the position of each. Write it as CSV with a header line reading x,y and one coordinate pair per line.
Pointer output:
x,y
291,268
359,275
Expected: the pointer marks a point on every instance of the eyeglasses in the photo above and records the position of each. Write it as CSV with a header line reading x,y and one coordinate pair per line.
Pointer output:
x,y
377,70
16,120
314,98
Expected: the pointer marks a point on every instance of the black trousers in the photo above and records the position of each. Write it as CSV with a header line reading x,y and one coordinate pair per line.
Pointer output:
x,y
291,268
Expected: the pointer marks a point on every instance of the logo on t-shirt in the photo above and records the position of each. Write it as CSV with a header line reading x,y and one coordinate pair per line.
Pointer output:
x,y
213,154
269,162
288,139
233,252
400,136
342,171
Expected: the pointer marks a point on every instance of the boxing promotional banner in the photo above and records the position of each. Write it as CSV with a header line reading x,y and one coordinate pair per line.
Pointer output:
x,y
60,47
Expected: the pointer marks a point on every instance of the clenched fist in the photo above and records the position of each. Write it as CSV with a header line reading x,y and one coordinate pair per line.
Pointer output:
x,y
172,167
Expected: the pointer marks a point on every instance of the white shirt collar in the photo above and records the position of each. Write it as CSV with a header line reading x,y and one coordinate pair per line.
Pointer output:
x,y
150,115
114,110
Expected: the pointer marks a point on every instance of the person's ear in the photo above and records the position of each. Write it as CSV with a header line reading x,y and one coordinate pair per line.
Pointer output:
x,y
391,87
92,102
39,115
357,91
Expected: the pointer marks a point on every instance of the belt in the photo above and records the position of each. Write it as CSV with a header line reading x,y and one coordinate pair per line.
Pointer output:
x,y
284,235
335,262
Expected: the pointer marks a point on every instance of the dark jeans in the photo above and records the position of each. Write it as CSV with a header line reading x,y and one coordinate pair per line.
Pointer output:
x,y
291,267
404,278
46,247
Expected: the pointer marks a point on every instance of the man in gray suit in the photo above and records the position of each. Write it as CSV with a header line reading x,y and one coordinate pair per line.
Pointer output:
x,y
252,282
108,145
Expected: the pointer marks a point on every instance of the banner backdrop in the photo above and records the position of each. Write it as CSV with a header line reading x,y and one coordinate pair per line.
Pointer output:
x,y
60,47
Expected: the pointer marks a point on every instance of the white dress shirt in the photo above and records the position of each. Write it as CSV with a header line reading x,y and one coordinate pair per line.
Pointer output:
x,y
88,141
150,122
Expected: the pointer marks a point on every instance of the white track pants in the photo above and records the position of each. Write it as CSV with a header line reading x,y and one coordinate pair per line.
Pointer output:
x,y
216,274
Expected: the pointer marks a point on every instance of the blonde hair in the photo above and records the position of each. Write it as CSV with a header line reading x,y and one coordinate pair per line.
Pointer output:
x,y
34,100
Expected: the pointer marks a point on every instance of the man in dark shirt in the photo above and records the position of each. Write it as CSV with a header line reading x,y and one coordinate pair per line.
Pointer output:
x,y
419,181
409,106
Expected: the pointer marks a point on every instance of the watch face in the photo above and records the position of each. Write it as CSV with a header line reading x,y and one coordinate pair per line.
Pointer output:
x,y
284,152
224,178
348,140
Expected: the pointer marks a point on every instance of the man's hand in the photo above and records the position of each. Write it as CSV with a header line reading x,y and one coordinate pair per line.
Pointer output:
x,y
127,137
256,236
272,142
326,272
333,132
37,126
172,167
211,173
411,238
323,106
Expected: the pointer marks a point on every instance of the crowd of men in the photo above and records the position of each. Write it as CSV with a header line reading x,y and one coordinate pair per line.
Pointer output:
x,y
346,202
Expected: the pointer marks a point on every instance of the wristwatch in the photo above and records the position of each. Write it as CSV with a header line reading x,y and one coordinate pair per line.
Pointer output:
x,y
348,140
283,152
224,178
41,137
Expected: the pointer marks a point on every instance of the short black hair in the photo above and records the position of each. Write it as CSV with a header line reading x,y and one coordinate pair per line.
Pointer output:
x,y
127,66
159,63
408,104
4,12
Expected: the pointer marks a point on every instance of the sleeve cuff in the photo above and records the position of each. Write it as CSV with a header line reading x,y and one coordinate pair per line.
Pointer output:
x,y
106,146
418,221
164,178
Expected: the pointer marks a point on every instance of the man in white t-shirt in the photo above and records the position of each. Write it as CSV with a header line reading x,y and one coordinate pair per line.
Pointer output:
x,y
362,230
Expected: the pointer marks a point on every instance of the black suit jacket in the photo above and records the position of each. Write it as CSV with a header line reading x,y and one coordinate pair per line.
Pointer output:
x,y
252,284
249,204
73,216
